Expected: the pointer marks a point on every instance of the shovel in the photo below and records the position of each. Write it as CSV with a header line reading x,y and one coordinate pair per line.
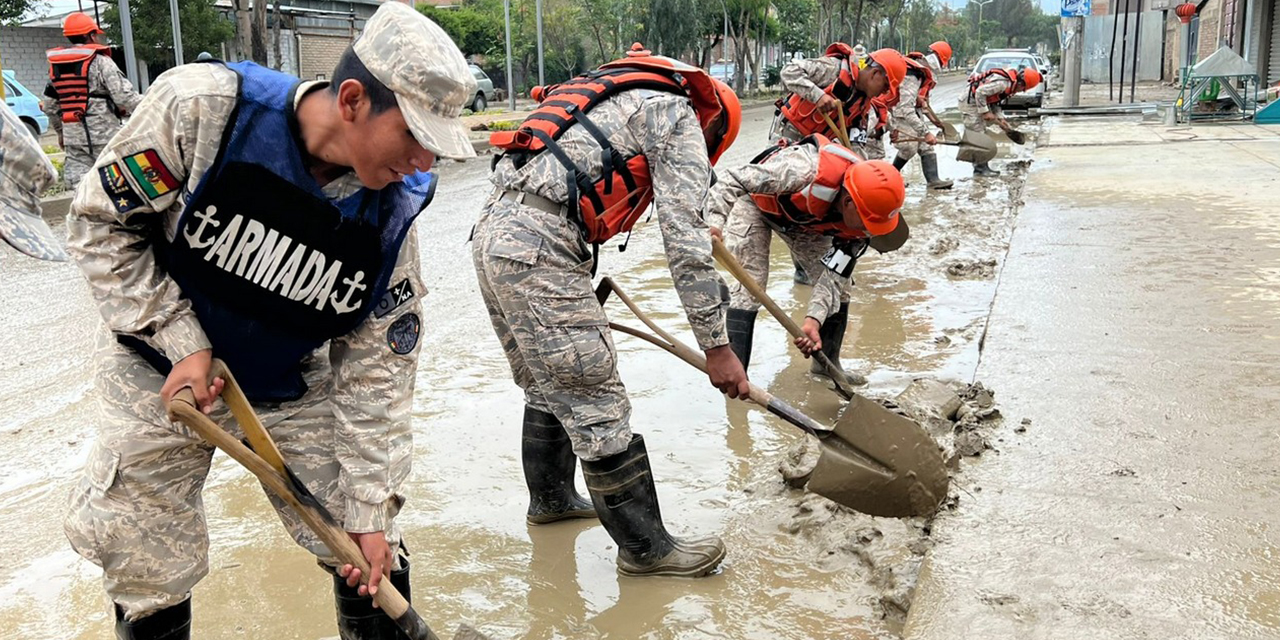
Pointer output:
x,y
973,146
261,457
841,131
1016,137
731,263
869,461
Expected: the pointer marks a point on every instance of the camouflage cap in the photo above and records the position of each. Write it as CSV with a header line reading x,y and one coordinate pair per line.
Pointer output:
x,y
25,172
420,63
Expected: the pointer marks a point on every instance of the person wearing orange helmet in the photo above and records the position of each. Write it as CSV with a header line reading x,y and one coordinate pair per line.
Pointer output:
x,y
911,134
988,90
582,169
88,95
827,204
838,80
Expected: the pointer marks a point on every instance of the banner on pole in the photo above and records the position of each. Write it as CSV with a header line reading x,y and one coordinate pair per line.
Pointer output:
x,y
1075,8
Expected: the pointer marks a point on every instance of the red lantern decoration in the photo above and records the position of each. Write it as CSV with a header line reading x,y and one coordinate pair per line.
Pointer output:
x,y
1186,11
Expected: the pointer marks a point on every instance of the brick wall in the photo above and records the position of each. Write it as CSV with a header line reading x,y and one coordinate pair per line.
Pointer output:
x,y
319,54
22,49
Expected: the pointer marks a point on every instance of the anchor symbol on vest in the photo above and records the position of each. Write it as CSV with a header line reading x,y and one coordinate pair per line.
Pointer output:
x,y
206,218
353,285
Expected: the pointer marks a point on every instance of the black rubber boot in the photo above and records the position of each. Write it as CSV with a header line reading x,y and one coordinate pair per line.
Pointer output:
x,y
622,485
800,276
549,465
832,335
899,162
171,623
741,325
984,170
929,164
358,620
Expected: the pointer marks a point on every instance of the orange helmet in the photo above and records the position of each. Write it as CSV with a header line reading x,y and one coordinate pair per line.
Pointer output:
x,y
729,122
1030,77
79,24
894,65
877,190
943,50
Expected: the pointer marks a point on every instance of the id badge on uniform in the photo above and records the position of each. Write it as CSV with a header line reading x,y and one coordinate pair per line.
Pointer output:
x,y
840,259
857,136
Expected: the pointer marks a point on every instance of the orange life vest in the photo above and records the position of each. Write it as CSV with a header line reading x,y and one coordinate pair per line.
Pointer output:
x,y
804,116
812,209
69,75
918,67
613,203
976,80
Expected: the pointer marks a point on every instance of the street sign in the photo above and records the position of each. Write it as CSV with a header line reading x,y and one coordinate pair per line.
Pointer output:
x,y
1075,8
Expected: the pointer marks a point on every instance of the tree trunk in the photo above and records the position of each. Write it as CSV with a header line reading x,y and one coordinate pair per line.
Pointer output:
x,y
259,32
276,38
243,27
857,23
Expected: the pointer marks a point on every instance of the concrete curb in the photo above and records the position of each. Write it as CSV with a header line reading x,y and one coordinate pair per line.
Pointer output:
x,y
54,208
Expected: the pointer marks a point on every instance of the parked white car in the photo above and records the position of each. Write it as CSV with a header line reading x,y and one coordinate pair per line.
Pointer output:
x,y
1015,59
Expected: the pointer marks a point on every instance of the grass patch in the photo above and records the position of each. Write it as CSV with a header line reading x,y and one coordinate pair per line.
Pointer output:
x,y
504,125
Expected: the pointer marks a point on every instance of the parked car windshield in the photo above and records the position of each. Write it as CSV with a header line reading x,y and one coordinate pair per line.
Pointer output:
x,y
993,62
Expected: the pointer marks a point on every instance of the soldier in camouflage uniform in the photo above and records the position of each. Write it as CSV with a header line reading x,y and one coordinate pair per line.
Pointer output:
x,y
307,285
534,266
110,97
912,115
25,172
980,105
818,81
826,204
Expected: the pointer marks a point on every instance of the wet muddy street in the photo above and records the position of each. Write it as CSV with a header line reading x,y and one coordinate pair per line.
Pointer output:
x,y
795,569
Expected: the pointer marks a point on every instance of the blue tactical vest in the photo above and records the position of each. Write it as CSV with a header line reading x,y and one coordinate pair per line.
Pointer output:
x,y
272,267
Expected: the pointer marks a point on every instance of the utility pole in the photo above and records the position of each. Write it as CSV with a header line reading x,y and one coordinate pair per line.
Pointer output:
x,y
511,82
1072,59
538,5
126,31
981,4
177,33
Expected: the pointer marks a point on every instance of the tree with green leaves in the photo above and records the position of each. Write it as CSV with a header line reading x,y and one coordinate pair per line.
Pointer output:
x,y
11,10
203,28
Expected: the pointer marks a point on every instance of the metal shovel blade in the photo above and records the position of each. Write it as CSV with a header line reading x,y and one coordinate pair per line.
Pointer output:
x,y
976,147
901,474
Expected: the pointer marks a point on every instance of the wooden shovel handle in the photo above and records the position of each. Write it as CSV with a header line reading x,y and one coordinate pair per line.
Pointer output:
x,y
757,395
182,409
840,131
739,273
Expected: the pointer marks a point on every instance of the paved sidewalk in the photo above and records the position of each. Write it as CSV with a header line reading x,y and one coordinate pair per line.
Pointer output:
x,y
1137,324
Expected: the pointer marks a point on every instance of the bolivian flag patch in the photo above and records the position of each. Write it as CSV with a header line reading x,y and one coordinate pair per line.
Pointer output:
x,y
150,174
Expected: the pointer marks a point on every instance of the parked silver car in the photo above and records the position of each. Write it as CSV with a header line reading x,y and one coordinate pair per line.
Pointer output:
x,y
484,91
1015,59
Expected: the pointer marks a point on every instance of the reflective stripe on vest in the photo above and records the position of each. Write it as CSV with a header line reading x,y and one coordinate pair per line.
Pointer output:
x,y
804,116
810,210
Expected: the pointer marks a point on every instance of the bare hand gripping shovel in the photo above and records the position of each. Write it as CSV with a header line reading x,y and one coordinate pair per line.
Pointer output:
x,y
264,460
874,460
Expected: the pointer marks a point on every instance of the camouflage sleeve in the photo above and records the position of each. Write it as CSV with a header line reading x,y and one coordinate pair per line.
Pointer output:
x,y
992,87
810,77
681,173
114,83
788,171
51,109
374,368
113,220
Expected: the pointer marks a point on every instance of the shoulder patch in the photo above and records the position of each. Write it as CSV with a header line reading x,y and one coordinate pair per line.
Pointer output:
x,y
150,174
122,195
402,335
394,297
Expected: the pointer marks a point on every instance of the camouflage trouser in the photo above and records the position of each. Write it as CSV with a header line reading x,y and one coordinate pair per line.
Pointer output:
x,y
79,159
973,116
137,511
872,149
534,270
911,124
747,236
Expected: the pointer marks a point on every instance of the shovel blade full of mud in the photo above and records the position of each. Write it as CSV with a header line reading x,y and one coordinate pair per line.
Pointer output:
x,y
896,470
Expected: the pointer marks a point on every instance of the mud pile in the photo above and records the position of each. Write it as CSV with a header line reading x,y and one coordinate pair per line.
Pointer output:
x,y
890,550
